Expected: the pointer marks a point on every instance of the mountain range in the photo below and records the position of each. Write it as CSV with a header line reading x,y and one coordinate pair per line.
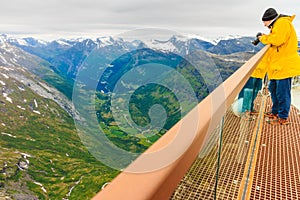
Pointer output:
x,y
65,56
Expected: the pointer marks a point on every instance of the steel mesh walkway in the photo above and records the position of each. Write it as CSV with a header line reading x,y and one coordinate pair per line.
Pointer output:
x,y
276,171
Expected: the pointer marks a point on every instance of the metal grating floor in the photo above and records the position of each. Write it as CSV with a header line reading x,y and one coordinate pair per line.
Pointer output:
x,y
276,172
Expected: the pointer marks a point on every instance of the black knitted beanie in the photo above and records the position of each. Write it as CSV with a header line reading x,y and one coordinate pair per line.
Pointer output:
x,y
269,14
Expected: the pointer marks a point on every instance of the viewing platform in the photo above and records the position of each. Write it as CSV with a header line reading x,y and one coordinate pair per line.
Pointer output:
x,y
258,160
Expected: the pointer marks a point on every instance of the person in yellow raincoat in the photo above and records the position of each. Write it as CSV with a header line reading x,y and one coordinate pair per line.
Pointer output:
x,y
282,62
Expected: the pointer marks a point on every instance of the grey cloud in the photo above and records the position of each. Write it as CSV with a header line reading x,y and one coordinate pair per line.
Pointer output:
x,y
105,16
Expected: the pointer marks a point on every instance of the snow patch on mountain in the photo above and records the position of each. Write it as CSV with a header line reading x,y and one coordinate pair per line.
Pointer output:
x,y
29,41
4,75
3,39
5,95
37,87
105,41
22,108
195,36
160,45
8,134
227,37
21,42
63,42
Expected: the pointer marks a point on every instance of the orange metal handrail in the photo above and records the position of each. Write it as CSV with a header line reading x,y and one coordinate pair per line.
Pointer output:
x,y
160,184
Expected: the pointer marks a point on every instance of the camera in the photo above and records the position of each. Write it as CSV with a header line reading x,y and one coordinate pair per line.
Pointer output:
x,y
256,41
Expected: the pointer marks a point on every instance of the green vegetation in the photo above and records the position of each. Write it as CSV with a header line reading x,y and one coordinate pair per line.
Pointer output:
x,y
46,144
124,132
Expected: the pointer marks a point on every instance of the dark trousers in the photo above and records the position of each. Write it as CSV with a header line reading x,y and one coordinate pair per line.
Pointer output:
x,y
281,96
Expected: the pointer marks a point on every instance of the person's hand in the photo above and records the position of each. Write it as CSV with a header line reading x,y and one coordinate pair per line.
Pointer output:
x,y
260,36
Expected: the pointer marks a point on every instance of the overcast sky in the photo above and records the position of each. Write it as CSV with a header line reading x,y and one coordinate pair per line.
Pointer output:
x,y
211,19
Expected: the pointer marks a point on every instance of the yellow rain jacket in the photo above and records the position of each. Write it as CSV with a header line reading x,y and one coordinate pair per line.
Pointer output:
x,y
261,69
282,59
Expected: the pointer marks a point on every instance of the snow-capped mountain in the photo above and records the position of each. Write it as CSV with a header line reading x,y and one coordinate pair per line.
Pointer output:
x,y
231,45
13,56
176,44
65,56
179,44
28,41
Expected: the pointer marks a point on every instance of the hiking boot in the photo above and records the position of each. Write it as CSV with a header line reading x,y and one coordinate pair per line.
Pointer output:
x,y
271,115
280,121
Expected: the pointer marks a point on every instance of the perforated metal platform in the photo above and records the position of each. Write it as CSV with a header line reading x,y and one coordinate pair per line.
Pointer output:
x,y
254,154
277,171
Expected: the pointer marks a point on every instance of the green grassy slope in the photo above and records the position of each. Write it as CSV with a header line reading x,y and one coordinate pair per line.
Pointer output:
x,y
41,154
